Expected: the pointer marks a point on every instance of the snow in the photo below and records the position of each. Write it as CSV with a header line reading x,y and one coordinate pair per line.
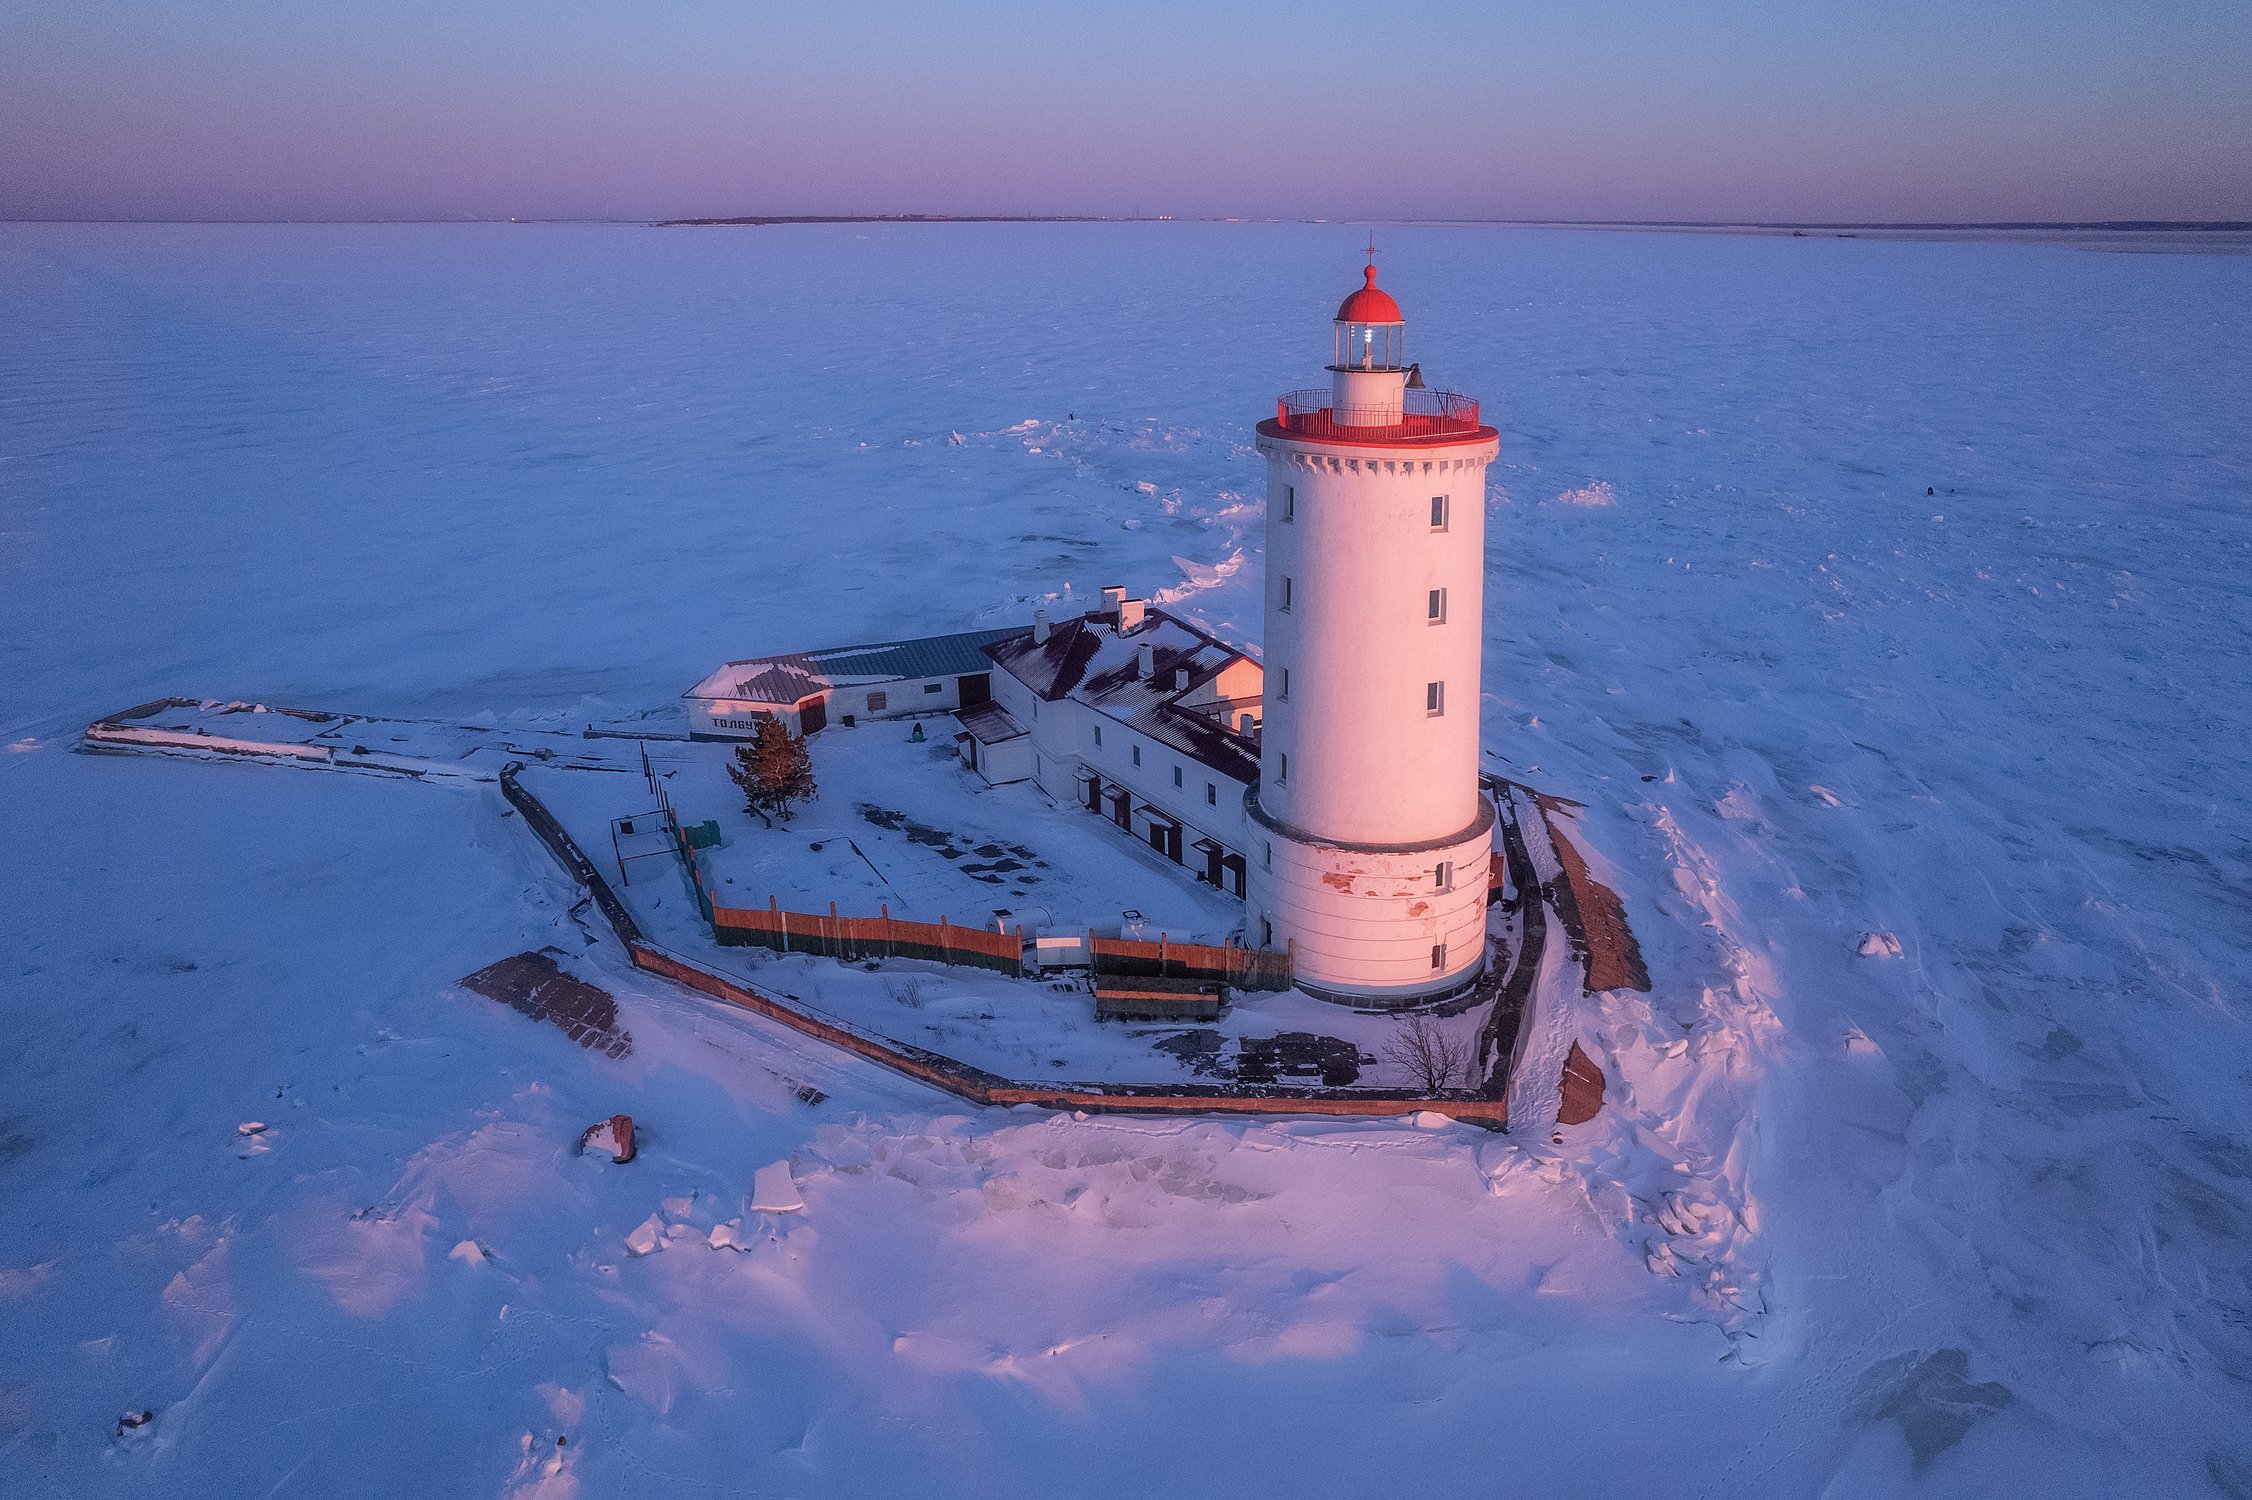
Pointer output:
x,y
1966,1221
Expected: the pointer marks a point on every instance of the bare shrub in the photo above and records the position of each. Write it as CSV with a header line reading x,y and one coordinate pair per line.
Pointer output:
x,y
907,991
1423,1049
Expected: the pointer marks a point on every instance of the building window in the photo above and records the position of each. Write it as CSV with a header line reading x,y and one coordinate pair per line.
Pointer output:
x,y
1211,795
1282,768
1286,594
1434,698
1284,695
1438,512
1098,734
1436,611
1267,859
877,702
1176,776
1438,955
1290,502
1443,876
1266,933
1136,752
932,687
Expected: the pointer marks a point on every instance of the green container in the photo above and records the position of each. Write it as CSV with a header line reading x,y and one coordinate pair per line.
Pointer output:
x,y
703,835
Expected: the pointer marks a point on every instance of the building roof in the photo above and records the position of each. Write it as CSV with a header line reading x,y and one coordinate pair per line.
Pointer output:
x,y
989,724
1368,305
1088,660
788,678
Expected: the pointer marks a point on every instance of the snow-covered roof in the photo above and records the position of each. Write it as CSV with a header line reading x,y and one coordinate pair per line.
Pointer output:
x,y
1088,660
990,724
790,677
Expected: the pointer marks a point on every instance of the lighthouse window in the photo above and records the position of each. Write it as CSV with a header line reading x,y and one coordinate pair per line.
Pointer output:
x,y
1266,933
1434,698
1290,502
1442,878
1176,776
1284,694
1438,609
1136,752
1438,512
1438,955
1282,768
1268,859
1211,795
1098,735
1286,594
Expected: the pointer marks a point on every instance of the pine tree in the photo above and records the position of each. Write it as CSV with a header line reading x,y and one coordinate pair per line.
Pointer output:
x,y
774,769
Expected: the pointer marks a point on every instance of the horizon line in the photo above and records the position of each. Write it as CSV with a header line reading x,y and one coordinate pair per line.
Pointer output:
x,y
778,220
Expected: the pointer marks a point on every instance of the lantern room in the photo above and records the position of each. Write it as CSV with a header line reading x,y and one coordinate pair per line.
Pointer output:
x,y
1368,381
1370,330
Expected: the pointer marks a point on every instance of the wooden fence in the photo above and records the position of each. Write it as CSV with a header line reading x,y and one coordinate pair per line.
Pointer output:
x,y
1230,964
854,938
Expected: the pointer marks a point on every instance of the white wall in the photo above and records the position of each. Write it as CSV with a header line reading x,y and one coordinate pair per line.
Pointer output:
x,y
1350,753
1152,780
1361,924
1367,764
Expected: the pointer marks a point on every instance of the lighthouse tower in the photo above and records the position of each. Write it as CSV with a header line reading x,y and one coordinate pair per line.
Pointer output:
x,y
1371,837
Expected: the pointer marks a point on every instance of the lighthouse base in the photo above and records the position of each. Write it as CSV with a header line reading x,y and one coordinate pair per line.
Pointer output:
x,y
1375,928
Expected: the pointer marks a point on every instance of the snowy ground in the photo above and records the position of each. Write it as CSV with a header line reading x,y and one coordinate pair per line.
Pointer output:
x,y
1968,1220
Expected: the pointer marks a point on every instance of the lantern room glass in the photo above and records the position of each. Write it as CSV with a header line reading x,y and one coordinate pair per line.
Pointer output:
x,y
1368,346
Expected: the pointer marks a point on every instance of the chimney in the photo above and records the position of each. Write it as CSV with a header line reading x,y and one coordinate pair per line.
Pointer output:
x,y
1039,627
1145,663
1114,595
1130,615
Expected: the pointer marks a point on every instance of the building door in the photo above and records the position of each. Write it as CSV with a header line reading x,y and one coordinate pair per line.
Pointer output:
x,y
975,688
813,715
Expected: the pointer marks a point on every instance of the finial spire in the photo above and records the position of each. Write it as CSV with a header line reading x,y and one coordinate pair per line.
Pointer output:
x,y
1372,245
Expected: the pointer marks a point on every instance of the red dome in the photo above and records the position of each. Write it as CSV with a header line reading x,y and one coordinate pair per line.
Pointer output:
x,y
1368,305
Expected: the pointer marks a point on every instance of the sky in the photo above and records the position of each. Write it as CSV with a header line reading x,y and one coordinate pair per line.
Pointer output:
x,y
1725,110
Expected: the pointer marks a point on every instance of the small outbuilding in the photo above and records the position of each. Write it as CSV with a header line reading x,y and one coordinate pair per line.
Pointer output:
x,y
993,744
810,690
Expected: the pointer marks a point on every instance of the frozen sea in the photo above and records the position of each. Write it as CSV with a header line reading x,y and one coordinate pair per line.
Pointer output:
x,y
1856,586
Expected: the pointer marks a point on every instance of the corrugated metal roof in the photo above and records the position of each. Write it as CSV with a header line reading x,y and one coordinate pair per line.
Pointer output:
x,y
931,656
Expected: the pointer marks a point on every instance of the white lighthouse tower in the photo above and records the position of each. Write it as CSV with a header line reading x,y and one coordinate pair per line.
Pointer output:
x,y
1372,838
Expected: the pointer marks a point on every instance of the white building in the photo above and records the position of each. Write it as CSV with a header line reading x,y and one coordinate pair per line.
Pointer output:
x,y
809,690
1373,837
1136,716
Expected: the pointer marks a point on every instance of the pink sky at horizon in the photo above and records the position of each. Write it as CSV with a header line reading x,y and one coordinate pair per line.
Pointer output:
x,y
1991,110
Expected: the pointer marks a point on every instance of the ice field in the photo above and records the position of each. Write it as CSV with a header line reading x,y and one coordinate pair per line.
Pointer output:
x,y
1856,586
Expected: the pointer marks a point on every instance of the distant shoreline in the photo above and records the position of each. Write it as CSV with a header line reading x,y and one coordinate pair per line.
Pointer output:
x,y
1693,226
